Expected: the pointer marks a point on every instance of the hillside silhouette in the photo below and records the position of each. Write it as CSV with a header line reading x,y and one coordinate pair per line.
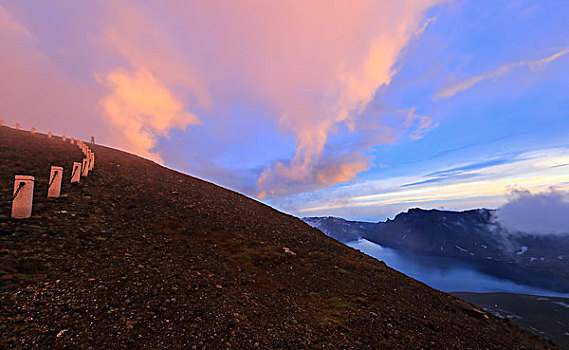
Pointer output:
x,y
138,256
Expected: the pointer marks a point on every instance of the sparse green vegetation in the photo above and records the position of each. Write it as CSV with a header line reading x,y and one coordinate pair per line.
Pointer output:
x,y
338,303
259,256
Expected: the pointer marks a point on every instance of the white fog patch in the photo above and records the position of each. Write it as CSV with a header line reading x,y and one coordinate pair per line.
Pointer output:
x,y
540,213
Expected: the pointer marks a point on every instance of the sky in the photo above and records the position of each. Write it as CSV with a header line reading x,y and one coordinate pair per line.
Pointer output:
x,y
359,109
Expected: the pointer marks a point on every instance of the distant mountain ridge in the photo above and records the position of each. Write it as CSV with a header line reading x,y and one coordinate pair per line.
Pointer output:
x,y
472,236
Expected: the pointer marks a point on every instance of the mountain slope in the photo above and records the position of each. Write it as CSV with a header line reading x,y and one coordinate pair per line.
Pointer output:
x,y
142,257
472,236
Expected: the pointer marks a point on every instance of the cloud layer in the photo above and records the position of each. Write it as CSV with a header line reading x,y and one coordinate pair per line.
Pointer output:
x,y
466,186
156,67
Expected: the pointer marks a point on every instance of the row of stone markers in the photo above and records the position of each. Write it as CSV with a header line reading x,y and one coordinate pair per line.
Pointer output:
x,y
23,198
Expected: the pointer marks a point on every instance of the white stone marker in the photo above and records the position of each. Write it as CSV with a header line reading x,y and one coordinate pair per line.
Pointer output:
x,y
72,141
49,134
33,131
23,197
88,156
54,186
85,167
76,173
63,138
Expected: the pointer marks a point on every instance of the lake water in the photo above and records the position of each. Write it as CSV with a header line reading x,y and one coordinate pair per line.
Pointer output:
x,y
449,275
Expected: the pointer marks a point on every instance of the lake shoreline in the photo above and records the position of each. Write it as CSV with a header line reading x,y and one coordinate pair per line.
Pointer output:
x,y
446,274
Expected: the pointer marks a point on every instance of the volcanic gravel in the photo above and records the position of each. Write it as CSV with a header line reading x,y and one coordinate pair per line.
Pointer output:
x,y
138,256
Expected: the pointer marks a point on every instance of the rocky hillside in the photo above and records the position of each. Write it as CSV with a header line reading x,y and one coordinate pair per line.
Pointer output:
x,y
142,257
472,236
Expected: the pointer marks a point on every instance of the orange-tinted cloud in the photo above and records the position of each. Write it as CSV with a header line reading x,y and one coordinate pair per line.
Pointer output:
x,y
141,108
143,95
136,36
327,171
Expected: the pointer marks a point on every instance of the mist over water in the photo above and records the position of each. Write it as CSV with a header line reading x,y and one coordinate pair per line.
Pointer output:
x,y
446,274
539,213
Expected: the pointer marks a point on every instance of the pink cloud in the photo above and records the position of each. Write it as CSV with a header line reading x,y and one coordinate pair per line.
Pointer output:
x,y
141,108
35,92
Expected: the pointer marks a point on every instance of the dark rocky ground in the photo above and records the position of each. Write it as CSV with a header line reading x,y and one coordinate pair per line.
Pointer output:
x,y
142,257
